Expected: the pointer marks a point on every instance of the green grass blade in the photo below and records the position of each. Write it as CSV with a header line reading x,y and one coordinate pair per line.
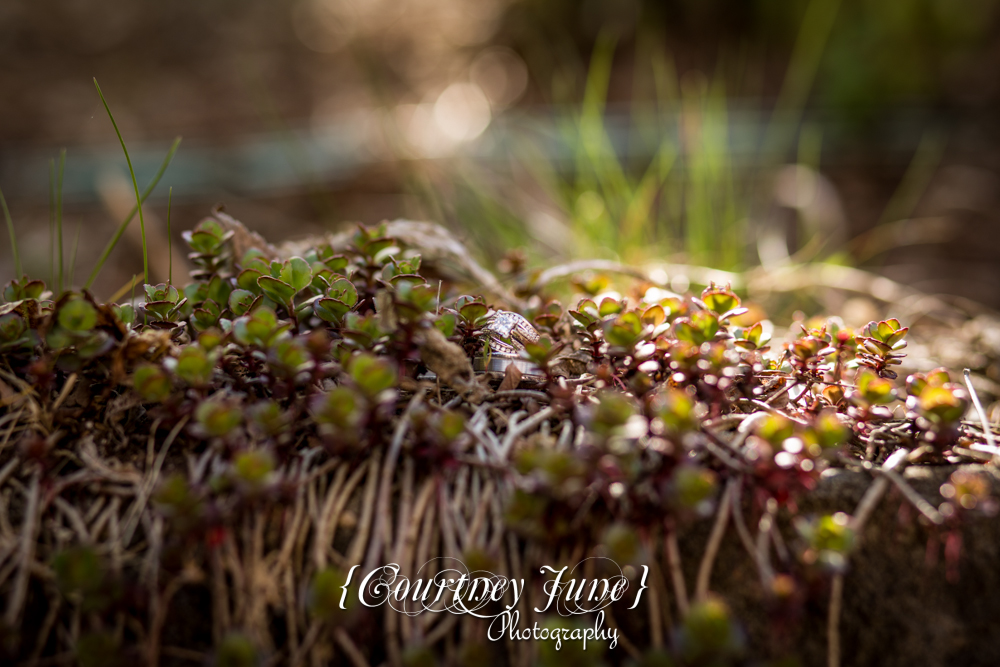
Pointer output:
x,y
817,24
13,239
59,211
52,223
170,241
121,229
135,186
72,256
916,179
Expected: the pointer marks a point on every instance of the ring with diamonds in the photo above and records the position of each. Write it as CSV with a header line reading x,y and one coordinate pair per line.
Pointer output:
x,y
511,326
498,348
506,334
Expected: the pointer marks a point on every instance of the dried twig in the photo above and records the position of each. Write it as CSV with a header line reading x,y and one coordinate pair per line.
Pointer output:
x,y
714,541
987,430
26,555
833,621
676,574
381,536
520,428
132,522
915,498
861,515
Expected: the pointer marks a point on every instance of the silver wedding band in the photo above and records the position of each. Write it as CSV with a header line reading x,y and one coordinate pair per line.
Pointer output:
x,y
498,364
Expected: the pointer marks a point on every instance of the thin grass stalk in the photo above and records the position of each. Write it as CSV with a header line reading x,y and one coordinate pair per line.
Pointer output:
x,y
59,212
72,256
170,241
918,174
52,222
13,238
121,228
123,290
817,24
135,186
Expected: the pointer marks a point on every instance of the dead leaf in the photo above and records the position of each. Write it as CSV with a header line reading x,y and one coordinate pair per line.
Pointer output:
x,y
243,239
571,364
385,311
443,255
448,361
511,378
7,395
119,405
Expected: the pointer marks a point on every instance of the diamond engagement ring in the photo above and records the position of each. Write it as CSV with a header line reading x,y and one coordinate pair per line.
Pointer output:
x,y
511,326
506,334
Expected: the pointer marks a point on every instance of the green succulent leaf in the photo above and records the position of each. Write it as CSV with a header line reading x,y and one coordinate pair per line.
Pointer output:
x,y
240,301
830,431
446,322
330,310
78,570
720,301
340,407
219,290
706,322
203,242
584,318
269,417
325,592
279,291
609,306
94,345
709,635
613,410
376,248
125,313
624,331
322,277
336,263
874,390
297,273
944,404
151,383
12,328
236,650
775,429
33,289
217,417
288,356
831,533
372,374
654,315
77,315
253,467
247,280
344,291
260,328
450,425
675,409
202,318
472,312
195,366
693,486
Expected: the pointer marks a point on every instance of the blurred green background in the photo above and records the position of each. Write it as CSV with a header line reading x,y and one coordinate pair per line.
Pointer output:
x,y
726,133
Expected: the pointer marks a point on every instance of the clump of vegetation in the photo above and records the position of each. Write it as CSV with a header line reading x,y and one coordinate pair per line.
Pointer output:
x,y
257,432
